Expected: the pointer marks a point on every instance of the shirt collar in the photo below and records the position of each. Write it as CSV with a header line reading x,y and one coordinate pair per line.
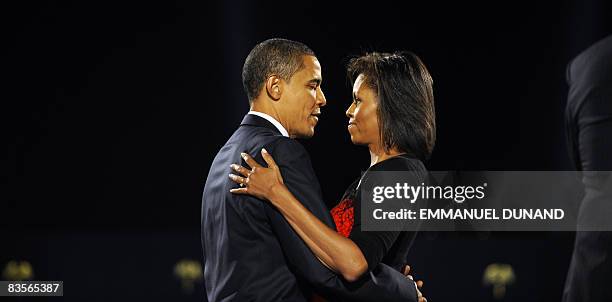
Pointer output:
x,y
270,119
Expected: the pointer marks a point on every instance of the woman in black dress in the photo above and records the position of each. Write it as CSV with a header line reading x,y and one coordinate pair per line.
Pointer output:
x,y
392,113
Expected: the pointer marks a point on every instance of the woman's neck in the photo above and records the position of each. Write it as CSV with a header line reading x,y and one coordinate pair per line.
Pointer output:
x,y
378,154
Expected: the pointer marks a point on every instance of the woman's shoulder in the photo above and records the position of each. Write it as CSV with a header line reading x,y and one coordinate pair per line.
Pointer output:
x,y
351,190
401,162
410,168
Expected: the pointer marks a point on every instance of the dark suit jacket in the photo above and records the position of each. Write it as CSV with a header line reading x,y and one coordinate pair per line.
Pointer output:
x,y
251,253
589,133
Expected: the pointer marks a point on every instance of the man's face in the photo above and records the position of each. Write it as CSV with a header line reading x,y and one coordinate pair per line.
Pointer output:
x,y
304,99
363,114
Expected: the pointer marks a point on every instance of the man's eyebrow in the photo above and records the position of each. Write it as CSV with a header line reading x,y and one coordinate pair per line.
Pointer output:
x,y
315,81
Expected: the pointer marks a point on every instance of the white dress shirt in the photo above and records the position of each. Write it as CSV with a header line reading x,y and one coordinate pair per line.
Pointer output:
x,y
272,120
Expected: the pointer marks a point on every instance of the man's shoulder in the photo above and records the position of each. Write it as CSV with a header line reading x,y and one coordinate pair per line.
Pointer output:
x,y
592,65
283,143
286,150
251,139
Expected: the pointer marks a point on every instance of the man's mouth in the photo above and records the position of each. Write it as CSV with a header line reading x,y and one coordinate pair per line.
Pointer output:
x,y
316,116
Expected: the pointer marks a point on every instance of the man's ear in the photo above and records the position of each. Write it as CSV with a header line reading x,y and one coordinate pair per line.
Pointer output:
x,y
274,87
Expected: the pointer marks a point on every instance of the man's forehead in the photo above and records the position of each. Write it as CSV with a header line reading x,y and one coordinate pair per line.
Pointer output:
x,y
310,71
312,64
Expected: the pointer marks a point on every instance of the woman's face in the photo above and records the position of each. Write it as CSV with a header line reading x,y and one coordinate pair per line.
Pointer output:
x,y
363,113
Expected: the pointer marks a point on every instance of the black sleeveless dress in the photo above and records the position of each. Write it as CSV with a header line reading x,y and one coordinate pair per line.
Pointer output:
x,y
388,247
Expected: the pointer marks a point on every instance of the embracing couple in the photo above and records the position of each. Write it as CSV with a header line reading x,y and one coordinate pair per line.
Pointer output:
x,y
267,234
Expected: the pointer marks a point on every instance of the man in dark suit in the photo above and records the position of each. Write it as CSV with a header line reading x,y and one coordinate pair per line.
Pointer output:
x,y
589,133
250,251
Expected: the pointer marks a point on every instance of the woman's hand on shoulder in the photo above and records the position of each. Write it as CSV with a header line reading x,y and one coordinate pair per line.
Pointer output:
x,y
418,283
258,181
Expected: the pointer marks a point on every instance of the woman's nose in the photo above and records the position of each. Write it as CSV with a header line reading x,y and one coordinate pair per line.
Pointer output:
x,y
349,111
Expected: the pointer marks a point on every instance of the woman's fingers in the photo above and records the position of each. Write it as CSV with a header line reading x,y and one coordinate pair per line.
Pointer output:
x,y
241,181
407,274
239,191
406,270
240,169
237,179
268,158
249,160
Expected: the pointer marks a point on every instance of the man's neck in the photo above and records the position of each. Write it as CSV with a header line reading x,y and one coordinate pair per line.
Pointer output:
x,y
271,112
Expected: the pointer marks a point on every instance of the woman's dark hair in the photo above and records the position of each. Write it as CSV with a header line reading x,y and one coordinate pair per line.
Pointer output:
x,y
406,114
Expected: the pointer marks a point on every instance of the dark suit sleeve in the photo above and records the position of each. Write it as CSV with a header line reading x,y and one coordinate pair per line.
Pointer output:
x,y
589,121
592,255
594,129
382,284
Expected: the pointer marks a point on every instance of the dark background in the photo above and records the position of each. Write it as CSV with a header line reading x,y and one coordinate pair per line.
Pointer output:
x,y
113,112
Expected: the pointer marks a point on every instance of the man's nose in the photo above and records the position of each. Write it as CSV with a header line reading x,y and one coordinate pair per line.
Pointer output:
x,y
321,98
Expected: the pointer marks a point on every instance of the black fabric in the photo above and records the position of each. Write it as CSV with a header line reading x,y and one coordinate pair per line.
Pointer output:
x,y
251,253
389,247
589,135
589,108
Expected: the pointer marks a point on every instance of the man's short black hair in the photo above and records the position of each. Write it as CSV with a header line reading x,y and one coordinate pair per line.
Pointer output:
x,y
273,56
406,114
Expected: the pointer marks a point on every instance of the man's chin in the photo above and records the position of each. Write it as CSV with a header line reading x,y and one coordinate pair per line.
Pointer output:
x,y
305,134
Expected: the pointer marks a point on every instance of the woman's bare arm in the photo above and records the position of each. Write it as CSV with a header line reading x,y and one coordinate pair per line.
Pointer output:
x,y
335,251
338,252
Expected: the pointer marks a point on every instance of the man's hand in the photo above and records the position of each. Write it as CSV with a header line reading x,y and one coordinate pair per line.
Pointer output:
x,y
418,283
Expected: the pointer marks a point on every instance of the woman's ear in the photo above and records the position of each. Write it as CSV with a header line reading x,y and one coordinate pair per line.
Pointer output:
x,y
274,87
